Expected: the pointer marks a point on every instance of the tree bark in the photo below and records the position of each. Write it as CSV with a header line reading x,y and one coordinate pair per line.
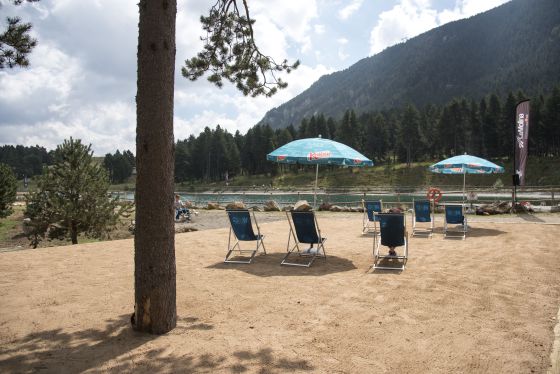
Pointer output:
x,y
74,233
155,308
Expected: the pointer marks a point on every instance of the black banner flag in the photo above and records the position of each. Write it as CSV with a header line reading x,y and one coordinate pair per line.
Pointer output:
x,y
521,139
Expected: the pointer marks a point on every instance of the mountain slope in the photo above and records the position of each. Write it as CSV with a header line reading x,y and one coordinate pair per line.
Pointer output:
x,y
513,47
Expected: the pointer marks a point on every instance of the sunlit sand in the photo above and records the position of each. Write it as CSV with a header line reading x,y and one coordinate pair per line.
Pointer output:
x,y
485,304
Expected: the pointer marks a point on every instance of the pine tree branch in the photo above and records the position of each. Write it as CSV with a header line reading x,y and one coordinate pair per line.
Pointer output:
x,y
230,53
15,42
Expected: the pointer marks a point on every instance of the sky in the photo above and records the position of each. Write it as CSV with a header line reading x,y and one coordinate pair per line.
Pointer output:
x,y
82,78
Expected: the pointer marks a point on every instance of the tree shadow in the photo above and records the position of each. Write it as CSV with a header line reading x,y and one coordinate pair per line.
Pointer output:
x,y
480,232
59,351
530,218
472,232
269,266
267,363
116,348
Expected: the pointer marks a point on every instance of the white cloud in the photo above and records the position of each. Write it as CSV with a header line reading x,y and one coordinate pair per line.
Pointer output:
x,y
406,19
409,18
53,71
342,41
350,9
342,55
248,111
293,19
270,38
467,8
106,126
319,29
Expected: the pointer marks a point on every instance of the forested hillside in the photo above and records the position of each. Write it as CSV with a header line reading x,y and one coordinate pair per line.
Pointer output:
x,y
483,128
513,47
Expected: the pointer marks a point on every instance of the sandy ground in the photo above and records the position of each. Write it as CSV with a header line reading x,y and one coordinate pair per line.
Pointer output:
x,y
487,304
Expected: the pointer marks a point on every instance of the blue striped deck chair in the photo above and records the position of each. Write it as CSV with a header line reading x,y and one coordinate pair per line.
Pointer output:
x,y
242,229
369,220
393,234
304,229
454,215
422,218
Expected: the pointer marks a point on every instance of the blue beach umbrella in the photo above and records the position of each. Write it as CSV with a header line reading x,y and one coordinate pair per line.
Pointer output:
x,y
318,151
465,164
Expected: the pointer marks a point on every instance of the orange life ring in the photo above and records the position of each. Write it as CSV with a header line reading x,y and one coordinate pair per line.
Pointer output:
x,y
434,194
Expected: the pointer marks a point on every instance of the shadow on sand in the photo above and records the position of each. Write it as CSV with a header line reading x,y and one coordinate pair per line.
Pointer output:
x,y
530,218
269,266
55,351
386,262
478,232
473,232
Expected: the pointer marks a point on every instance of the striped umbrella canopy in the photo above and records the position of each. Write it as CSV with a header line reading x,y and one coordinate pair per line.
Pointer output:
x,y
465,164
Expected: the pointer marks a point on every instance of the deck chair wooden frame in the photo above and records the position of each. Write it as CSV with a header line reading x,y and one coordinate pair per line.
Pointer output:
x,y
390,235
313,237
423,230
368,222
461,230
245,236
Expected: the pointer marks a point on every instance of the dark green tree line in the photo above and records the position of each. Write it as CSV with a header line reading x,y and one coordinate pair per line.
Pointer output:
x,y
8,188
119,165
25,161
408,134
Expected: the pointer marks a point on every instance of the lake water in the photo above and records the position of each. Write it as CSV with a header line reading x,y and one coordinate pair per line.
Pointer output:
x,y
349,199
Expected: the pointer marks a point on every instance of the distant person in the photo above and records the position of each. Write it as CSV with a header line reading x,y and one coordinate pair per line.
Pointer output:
x,y
180,208
392,251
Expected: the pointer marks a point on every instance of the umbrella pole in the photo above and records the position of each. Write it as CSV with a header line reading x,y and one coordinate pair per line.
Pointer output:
x,y
315,190
464,181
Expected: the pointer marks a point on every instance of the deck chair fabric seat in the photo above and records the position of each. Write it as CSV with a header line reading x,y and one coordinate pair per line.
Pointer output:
x,y
369,219
304,229
393,234
242,229
454,215
422,218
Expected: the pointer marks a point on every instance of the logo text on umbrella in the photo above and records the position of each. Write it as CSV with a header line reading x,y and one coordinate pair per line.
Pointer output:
x,y
318,155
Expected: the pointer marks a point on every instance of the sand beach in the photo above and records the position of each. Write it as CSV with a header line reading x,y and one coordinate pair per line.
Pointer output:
x,y
487,304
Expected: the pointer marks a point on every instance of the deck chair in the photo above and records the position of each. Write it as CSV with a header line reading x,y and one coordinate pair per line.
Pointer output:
x,y
242,229
304,230
393,234
422,218
454,215
370,208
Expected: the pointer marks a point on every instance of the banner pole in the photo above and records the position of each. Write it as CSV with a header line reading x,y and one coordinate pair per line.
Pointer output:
x,y
514,176
520,145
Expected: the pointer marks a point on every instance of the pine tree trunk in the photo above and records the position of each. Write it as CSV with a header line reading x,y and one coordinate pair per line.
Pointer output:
x,y
154,241
74,233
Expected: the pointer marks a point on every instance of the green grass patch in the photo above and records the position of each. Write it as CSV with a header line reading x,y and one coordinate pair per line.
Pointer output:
x,y
7,226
